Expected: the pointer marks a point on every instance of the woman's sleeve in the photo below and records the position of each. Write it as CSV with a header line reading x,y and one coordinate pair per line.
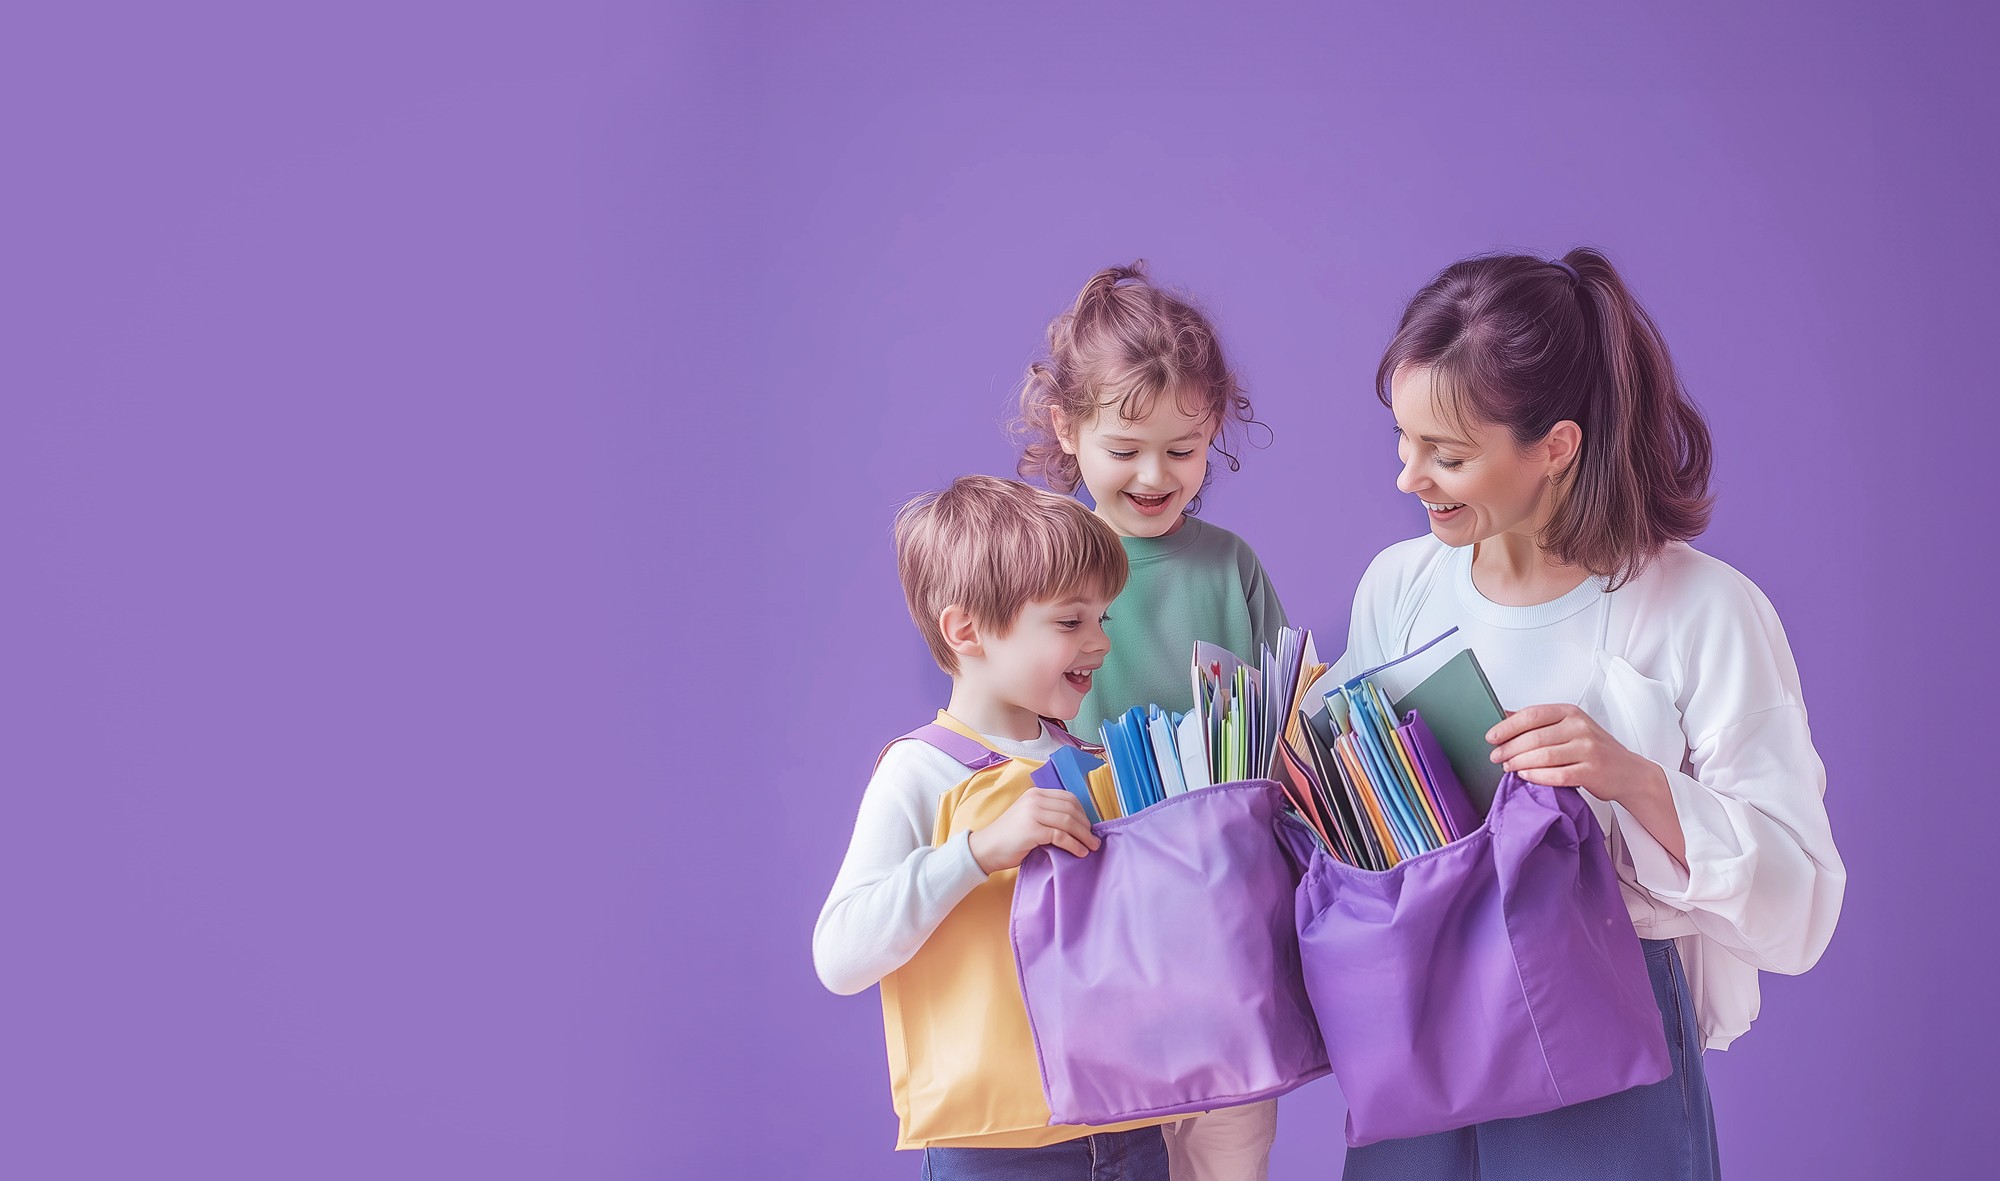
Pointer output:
x,y
1763,877
1369,619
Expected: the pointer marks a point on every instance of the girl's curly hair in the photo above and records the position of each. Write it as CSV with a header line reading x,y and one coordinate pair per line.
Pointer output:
x,y
1122,344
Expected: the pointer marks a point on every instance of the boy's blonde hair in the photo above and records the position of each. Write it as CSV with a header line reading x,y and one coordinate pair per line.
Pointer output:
x,y
992,546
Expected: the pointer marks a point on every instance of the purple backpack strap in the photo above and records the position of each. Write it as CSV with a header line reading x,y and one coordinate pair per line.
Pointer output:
x,y
1063,735
970,755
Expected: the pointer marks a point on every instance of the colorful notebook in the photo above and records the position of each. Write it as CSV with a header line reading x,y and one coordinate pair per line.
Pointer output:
x,y
1069,770
1459,706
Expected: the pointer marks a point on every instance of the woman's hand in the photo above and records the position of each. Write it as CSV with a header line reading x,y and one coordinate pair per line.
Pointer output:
x,y
1039,817
1562,746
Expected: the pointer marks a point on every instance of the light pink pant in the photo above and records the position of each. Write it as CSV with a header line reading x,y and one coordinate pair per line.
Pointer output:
x,y
1233,1144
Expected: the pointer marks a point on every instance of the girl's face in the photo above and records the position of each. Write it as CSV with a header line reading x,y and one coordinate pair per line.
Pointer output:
x,y
1474,481
1141,473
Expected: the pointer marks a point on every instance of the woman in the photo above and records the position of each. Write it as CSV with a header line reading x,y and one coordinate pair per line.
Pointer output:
x,y
1563,471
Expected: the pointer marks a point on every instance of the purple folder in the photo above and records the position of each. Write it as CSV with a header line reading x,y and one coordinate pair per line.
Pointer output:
x,y
1498,976
1446,793
1161,973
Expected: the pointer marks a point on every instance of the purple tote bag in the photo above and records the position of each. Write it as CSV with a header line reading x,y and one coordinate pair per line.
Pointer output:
x,y
1161,973
1497,976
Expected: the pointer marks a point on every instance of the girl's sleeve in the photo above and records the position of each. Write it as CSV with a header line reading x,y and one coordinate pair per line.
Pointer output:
x,y
1267,614
1763,877
894,887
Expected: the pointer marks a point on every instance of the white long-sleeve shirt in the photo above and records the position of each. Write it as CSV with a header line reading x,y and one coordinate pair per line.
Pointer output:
x,y
1686,665
894,887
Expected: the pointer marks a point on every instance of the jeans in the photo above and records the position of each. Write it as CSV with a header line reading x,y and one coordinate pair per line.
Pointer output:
x,y
1137,1155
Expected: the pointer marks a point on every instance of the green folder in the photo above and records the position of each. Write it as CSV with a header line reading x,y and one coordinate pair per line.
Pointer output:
x,y
1459,707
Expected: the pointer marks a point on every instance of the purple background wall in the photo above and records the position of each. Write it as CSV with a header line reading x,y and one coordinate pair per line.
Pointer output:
x,y
448,457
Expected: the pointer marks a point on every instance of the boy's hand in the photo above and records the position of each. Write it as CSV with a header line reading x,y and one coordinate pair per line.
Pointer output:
x,y
1039,817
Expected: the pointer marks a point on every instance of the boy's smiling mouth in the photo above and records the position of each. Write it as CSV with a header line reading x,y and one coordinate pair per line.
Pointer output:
x,y
1079,678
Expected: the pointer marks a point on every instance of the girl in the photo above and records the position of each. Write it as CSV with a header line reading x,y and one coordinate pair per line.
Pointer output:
x,y
1131,398
1563,470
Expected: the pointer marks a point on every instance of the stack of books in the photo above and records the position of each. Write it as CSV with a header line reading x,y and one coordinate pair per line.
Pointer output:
x,y
1377,780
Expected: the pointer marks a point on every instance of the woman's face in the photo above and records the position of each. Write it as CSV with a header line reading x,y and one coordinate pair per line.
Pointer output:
x,y
1474,481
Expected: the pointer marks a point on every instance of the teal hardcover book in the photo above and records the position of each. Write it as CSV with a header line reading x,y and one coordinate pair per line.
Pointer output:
x,y
1459,707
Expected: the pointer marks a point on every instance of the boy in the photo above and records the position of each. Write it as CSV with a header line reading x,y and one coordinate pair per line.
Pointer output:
x,y
1008,585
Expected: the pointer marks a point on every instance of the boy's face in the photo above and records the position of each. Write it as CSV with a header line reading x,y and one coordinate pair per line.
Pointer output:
x,y
1044,661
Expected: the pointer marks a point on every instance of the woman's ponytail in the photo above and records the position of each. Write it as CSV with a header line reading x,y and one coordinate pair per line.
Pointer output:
x,y
1527,343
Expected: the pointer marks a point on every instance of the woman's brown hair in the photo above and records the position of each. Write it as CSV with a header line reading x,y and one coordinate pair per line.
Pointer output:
x,y
1524,343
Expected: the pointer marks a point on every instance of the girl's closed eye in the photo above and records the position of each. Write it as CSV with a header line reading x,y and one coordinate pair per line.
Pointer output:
x,y
1121,454
1179,454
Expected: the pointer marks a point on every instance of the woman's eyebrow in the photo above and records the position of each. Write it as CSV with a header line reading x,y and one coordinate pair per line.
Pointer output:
x,y
1446,439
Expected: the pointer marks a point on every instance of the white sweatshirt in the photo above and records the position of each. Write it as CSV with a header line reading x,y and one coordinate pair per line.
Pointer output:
x,y
1688,666
894,887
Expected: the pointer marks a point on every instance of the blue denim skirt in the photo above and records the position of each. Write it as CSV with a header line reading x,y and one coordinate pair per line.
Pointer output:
x,y
1662,1132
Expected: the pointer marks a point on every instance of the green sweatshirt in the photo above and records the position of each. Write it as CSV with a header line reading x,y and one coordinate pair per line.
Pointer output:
x,y
1200,582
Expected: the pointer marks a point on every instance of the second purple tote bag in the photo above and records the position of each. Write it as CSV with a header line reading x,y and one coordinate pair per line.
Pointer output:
x,y
1161,972
1497,976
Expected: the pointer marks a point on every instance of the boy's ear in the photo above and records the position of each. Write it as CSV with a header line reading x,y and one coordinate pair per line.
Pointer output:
x,y
961,632
1065,430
